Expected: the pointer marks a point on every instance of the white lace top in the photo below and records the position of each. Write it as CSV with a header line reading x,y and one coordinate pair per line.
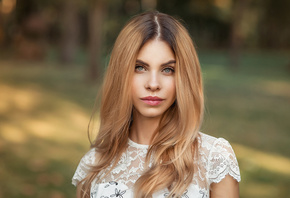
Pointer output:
x,y
217,159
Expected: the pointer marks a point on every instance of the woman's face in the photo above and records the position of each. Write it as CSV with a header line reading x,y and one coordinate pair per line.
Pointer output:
x,y
153,84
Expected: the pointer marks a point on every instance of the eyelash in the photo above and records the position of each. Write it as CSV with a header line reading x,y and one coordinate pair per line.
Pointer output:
x,y
170,68
138,66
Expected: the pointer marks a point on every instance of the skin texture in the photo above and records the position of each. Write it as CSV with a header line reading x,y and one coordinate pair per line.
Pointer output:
x,y
153,76
227,188
78,190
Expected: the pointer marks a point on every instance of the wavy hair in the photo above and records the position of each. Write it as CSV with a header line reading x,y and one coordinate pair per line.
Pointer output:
x,y
174,146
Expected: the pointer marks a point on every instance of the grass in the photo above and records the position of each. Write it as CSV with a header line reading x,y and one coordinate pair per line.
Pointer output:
x,y
45,109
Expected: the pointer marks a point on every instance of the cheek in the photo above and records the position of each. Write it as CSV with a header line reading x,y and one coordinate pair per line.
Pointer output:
x,y
171,88
135,85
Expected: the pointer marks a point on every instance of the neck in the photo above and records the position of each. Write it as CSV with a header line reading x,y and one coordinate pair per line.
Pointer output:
x,y
143,128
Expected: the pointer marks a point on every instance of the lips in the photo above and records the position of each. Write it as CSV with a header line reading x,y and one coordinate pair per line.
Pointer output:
x,y
153,101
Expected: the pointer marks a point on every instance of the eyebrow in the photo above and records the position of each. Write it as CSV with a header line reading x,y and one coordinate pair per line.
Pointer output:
x,y
167,63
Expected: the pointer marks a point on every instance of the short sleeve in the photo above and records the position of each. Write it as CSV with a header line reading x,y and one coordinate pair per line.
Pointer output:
x,y
222,161
84,166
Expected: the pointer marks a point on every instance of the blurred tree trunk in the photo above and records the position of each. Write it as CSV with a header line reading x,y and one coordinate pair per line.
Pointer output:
x,y
70,31
97,12
236,34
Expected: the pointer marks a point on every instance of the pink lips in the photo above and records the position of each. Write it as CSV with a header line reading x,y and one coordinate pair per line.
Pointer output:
x,y
152,100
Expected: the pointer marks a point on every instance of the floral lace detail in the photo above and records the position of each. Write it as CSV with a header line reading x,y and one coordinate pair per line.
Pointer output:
x,y
222,161
84,166
130,166
216,159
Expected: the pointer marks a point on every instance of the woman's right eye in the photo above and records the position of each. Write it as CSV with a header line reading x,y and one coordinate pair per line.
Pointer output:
x,y
139,68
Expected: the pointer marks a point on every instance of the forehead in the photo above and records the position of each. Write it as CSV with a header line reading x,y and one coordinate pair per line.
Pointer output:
x,y
156,50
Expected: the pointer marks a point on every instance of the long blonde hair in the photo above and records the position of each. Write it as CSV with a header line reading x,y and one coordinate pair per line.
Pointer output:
x,y
174,144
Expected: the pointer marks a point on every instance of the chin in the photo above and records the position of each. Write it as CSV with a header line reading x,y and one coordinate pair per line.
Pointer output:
x,y
151,114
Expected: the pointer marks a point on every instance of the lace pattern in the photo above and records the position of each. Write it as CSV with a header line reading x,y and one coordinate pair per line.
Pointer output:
x,y
130,166
216,160
84,166
222,161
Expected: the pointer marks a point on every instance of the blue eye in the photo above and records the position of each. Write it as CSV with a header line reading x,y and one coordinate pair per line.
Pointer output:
x,y
139,68
168,70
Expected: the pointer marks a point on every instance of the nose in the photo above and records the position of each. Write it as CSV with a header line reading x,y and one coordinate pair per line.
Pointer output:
x,y
153,83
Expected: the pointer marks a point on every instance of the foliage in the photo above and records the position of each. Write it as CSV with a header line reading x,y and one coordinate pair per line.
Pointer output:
x,y
264,23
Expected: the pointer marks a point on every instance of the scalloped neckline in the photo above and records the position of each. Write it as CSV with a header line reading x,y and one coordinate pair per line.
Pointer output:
x,y
137,145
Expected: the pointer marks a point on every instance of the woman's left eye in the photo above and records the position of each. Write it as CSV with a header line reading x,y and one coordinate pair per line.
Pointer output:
x,y
168,70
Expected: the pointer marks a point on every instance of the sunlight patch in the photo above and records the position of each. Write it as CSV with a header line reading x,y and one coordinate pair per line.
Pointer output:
x,y
268,161
276,88
20,99
12,134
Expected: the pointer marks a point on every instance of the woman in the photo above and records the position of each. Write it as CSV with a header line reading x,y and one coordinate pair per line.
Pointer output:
x,y
149,144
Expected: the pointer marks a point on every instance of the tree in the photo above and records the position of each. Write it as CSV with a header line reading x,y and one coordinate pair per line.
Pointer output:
x,y
69,31
236,33
97,12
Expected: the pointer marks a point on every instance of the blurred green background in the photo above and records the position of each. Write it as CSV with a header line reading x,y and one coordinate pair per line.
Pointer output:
x,y
52,58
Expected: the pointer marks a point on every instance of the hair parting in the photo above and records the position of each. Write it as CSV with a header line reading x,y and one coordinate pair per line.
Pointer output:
x,y
158,27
